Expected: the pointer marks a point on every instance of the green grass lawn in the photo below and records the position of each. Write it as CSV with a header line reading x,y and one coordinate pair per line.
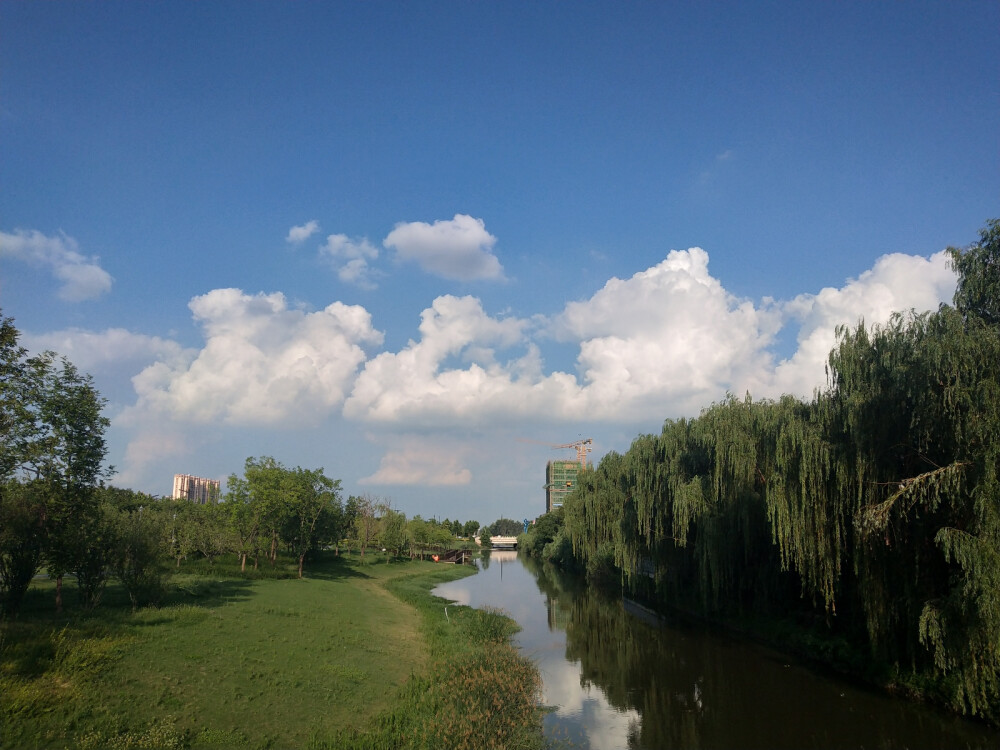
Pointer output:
x,y
333,660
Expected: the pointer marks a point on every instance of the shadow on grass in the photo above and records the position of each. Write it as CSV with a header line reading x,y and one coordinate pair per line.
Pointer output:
x,y
200,591
330,567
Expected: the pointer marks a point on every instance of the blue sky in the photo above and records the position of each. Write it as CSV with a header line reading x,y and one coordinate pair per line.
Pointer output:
x,y
392,239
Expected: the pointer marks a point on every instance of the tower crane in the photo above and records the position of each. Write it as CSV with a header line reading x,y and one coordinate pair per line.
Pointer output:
x,y
582,448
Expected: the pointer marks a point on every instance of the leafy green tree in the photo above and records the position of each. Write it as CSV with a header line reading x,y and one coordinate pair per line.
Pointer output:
x,y
365,521
178,516
52,434
331,527
543,531
351,512
506,527
22,542
93,563
871,508
246,517
392,532
978,267
309,494
264,477
142,542
210,533
418,533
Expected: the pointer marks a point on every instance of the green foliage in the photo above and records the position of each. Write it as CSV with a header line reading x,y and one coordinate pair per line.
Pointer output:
x,y
94,560
141,544
22,542
978,267
872,508
52,449
392,532
505,527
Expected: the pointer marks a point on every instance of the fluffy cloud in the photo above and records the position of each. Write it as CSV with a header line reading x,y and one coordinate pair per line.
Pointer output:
x,y
350,258
417,382
896,283
669,338
94,351
668,341
460,249
419,462
82,277
301,233
262,362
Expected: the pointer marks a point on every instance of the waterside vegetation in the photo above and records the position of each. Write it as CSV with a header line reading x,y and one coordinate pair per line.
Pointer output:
x,y
866,520
357,654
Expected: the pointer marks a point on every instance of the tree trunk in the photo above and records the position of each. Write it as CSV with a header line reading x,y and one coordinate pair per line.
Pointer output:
x,y
59,594
243,562
302,558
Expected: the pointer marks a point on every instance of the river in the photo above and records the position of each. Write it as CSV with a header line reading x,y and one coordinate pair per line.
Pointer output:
x,y
616,676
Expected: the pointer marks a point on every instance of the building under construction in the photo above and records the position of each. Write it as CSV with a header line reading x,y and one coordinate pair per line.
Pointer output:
x,y
560,480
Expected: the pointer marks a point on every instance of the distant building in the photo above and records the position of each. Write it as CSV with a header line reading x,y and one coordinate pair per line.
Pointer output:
x,y
560,480
196,489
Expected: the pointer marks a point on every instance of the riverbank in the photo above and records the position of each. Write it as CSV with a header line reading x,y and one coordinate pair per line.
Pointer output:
x,y
355,655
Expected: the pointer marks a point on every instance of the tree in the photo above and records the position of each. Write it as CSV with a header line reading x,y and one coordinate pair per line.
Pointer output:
x,y
392,533
506,527
209,531
52,435
264,477
978,268
350,517
872,508
93,563
22,542
246,518
365,521
141,543
309,494
470,528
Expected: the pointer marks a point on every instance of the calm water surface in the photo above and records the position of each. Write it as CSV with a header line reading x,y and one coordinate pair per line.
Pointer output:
x,y
618,678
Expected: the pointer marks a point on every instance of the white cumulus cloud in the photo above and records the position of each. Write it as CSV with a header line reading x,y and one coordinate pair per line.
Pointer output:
x,y
670,337
350,258
427,378
896,283
262,363
301,233
668,341
459,249
81,277
94,351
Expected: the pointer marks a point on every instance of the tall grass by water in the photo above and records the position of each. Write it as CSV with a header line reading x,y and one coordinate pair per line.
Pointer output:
x,y
354,656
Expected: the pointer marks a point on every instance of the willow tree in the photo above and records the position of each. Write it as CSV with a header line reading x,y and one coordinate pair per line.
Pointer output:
x,y
918,403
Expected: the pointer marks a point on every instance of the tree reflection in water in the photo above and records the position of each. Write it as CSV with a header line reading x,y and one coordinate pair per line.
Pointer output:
x,y
617,676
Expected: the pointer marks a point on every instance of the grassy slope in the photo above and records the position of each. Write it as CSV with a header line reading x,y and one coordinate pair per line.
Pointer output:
x,y
265,663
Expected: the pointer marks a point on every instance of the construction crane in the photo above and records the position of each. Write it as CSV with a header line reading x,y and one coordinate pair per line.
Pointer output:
x,y
582,448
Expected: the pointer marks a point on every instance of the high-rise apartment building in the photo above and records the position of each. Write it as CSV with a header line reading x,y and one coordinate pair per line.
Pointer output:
x,y
196,489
